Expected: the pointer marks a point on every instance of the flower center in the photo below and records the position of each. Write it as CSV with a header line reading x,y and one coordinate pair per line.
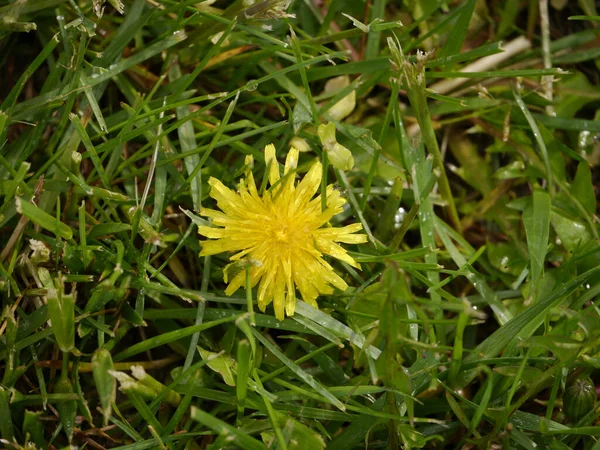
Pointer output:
x,y
284,233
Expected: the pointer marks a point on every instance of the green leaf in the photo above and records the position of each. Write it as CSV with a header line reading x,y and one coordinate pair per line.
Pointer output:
x,y
536,219
66,410
563,347
232,434
459,30
61,310
525,324
339,156
583,188
301,374
244,367
538,137
106,385
170,336
6,425
33,427
224,365
43,219
571,232
104,229
298,436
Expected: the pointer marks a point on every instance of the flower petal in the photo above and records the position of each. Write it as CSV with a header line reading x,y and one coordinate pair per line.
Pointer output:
x,y
291,160
228,201
219,246
332,249
272,164
310,183
279,295
344,234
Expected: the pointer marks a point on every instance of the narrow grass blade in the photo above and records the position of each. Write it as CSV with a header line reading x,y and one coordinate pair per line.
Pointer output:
x,y
524,324
106,384
33,427
536,219
6,425
301,374
171,336
459,30
538,137
244,362
502,313
43,219
76,121
61,310
10,99
242,439
66,410
336,327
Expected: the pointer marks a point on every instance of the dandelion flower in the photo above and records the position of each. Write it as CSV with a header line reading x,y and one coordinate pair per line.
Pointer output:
x,y
282,235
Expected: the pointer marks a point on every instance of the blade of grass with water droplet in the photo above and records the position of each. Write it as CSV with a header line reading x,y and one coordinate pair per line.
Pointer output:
x,y
336,327
66,410
524,324
502,313
296,370
537,135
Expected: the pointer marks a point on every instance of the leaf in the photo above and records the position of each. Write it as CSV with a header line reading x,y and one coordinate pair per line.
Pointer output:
x,y
300,116
505,257
106,385
298,372
536,220
583,189
459,30
61,310
524,324
346,105
562,346
104,229
33,427
244,367
336,327
299,436
43,219
240,438
6,425
571,232
339,156
473,168
66,410
528,375
118,5
224,365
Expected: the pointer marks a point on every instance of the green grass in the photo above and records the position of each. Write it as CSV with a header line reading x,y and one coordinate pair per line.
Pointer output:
x,y
476,306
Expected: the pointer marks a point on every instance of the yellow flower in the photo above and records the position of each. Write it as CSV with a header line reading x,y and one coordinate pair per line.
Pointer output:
x,y
281,234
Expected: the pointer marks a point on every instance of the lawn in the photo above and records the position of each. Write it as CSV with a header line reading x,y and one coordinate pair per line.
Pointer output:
x,y
299,224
